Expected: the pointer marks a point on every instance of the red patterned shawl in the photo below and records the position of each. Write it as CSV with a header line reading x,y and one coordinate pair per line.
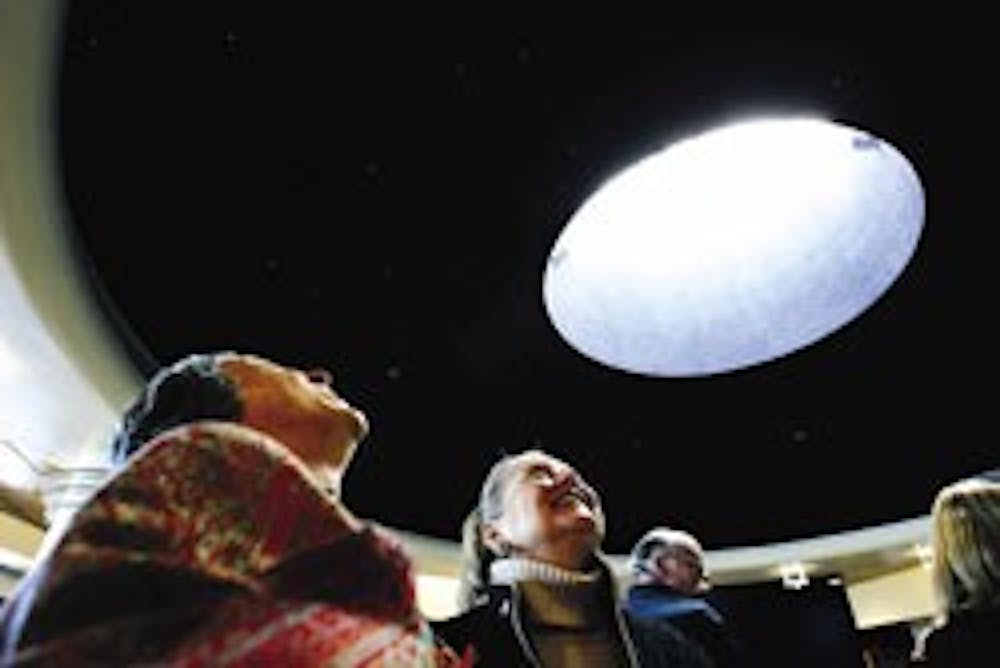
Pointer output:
x,y
213,547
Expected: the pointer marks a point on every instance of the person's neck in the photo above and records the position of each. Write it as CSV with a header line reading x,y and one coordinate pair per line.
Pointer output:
x,y
327,467
568,559
328,477
514,569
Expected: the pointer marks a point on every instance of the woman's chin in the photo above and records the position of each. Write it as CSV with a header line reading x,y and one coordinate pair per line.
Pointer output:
x,y
585,525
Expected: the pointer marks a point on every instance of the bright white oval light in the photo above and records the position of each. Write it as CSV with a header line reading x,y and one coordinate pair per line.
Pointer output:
x,y
734,247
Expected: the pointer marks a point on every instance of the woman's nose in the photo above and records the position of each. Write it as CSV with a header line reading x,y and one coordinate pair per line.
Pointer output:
x,y
320,376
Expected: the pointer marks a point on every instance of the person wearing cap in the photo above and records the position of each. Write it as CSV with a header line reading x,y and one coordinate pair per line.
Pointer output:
x,y
669,584
221,538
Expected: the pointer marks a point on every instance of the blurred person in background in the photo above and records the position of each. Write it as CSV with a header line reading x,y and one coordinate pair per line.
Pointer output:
x,y
966,573
669,584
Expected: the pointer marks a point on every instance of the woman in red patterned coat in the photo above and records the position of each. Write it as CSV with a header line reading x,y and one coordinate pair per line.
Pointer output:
x,y
221,540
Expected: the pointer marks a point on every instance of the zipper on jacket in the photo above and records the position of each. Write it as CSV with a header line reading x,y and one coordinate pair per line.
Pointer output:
x,y
515,620
630,652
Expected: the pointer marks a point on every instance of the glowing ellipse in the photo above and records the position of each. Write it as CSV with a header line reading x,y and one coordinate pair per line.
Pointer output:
x,y
734,247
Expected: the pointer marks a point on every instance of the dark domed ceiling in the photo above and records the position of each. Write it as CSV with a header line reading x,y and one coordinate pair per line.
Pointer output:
x,y
377,191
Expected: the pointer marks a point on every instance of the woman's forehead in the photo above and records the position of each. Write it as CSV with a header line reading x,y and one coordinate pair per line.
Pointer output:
x,y
535,458
254,364
679,551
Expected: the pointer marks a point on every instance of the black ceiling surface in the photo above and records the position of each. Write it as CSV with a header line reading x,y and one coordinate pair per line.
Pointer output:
x,y
377,190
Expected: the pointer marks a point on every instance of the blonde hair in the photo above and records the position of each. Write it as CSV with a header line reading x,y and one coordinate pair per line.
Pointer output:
x,y
966,527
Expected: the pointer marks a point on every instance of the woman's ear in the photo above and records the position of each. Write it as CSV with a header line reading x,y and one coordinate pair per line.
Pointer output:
x,y
493,540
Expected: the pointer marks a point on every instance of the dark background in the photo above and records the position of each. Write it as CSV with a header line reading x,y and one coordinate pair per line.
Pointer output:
x,y
376,190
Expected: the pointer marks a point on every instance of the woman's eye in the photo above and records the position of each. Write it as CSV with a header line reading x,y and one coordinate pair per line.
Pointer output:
x,y
540,474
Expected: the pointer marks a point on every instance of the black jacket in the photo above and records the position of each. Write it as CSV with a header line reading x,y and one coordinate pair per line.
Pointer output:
x,y
493,630
694,616
968,640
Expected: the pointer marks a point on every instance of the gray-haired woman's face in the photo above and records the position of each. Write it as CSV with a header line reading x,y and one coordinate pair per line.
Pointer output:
x,y
549,512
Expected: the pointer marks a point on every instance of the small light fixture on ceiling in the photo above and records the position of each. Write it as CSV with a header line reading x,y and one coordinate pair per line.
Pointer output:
x,y
924,554
17,470
734,247
794,576
11,366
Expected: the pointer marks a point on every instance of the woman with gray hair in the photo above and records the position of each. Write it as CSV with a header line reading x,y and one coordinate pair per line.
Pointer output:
x,y
966,572
536,588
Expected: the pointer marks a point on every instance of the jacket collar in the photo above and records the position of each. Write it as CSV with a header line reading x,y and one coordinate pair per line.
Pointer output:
x,y
508,602
658,601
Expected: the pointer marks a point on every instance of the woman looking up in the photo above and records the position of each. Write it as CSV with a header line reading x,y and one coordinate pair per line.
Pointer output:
x,y
536,589
221,538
